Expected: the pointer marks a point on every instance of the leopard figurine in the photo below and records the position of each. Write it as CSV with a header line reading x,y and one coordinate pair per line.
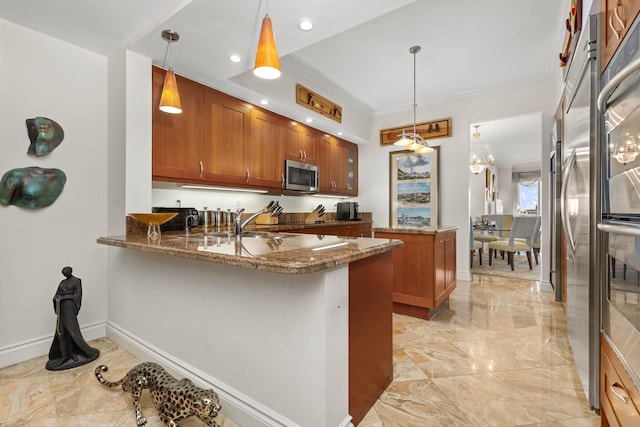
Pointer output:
x,y
174,399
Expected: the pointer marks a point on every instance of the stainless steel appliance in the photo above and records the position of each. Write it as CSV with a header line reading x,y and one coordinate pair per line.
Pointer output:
x,y
620,103
347,211
580,207
187,217
556,252
300,177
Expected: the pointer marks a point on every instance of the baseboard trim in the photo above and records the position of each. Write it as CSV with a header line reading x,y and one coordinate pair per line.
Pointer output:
x,y
235,405
464,275
545,286
36,347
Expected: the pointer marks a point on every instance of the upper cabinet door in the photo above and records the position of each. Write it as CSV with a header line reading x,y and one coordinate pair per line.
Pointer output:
x,y
178,139
227,135
300,143
263,156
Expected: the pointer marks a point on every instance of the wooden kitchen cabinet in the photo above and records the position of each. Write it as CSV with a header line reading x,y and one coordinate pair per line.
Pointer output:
x,y
178,139
263,157
300,143
619,395
227,139
424,270
338,164
222,140
617,18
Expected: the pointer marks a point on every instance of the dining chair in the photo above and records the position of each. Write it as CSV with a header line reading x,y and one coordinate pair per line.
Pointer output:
x,y
474,245
520,239
491,236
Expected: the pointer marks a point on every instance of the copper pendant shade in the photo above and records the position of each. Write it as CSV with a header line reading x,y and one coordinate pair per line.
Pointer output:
x,y
267,65
170,98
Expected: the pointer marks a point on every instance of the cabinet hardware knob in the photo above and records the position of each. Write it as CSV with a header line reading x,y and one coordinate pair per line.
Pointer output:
x,y
305,156
248,176
301,157
201,169
619,392
283,181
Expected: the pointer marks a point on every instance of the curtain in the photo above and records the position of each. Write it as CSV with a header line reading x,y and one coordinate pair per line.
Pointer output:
x,y
526,179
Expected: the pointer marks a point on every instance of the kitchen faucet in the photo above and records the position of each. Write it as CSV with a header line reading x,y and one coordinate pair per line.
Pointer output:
x,y
272,208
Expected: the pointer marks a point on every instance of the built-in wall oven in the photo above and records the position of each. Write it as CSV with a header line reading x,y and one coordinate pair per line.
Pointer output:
x,y
620,225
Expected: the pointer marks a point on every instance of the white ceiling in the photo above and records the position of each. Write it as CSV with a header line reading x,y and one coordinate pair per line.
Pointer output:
x,y
361,47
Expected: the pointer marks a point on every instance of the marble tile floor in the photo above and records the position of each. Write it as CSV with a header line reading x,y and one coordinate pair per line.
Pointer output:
x,y
496,355
34,397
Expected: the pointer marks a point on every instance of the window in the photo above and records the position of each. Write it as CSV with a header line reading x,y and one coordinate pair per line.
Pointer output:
x,y
526,189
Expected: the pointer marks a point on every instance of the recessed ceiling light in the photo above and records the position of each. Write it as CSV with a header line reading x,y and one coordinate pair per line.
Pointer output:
x,y
340,133
305,25
234,58
264,102
309,120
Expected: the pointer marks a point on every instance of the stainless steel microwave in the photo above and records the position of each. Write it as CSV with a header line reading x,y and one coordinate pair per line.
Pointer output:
x,y
301,177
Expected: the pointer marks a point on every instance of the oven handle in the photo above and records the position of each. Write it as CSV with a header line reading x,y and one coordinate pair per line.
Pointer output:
x,y
606,91
627,230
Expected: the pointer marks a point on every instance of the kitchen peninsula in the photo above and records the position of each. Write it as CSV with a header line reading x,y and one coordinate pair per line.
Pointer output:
x,y
290,329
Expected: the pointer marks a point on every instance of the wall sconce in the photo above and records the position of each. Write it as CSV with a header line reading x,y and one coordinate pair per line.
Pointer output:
x,y
170,98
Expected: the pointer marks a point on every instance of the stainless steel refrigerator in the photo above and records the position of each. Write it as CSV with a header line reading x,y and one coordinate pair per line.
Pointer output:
x,y
580,206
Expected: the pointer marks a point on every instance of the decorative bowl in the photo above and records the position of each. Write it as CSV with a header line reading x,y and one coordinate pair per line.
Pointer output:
x,y
153,220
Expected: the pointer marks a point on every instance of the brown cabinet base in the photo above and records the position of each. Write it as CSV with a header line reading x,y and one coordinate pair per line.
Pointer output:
x,y
370,332
424,271
425,313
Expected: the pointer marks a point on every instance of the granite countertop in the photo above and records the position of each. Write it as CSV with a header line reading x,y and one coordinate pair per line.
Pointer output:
x,y
409,230
286,253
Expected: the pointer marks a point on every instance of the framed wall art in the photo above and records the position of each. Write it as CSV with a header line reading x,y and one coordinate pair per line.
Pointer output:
x,y
413,189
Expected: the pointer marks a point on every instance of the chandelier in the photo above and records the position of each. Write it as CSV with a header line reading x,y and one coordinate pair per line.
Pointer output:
x,y
413,140
480,156
625,151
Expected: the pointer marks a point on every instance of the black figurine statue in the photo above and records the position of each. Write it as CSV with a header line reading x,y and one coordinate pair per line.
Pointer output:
x,y
69,349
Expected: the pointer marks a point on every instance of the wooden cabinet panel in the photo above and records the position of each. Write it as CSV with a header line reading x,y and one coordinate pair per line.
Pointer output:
x,y
617,18
263,156
370,332
424,272
300,143
178,138
338,164
227,134
619,396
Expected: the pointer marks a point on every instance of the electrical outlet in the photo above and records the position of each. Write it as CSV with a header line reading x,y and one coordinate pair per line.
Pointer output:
x,y
176,202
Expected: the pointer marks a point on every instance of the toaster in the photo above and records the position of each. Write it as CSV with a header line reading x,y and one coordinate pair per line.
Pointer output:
x,y
347,211
179,222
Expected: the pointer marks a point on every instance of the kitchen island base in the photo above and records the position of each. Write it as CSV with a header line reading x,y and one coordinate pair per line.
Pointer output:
x,y
276,347
424,269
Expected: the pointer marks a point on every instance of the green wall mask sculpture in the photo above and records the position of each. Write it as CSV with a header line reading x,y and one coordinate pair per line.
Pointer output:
x,y
45,135
31,187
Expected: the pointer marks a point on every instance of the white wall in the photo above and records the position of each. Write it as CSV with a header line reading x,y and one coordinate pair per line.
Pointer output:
x,y
454,202
42,76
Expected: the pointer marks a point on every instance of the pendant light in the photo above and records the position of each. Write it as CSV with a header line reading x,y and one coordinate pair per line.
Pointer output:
x,y
413,140
267,65
480,156
170,98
